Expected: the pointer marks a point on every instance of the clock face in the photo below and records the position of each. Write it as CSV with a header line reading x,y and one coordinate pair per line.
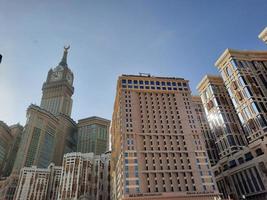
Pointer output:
x,y
69,78
56,76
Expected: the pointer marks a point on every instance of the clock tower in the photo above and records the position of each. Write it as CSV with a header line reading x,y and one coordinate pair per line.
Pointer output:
x,y
58,88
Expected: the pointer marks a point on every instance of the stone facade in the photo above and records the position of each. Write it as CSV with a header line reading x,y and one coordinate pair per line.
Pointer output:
x,y
157,148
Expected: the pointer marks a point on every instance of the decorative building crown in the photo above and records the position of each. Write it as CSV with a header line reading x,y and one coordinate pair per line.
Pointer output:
x,y
63,61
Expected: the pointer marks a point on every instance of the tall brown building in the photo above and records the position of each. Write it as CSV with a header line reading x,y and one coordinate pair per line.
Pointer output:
x,y
49,130
157,148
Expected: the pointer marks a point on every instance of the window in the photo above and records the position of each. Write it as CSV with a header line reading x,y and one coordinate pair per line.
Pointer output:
x,y
262,120
241,160
248,156
259,152
255,107
228,71
247,92
233,63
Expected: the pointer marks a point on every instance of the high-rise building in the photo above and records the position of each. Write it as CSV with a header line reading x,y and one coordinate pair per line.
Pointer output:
x,y
58,89
49,131
157,147
5,141
81,176
9,141
34,183
207,134
237,104
93,135
245,77
263,35
15,131
85,176
221,115
8,187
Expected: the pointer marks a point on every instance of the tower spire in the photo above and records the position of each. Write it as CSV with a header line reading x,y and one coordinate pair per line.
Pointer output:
x,y
63,61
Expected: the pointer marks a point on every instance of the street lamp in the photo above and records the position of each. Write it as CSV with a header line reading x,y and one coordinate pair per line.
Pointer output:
x,y
263,35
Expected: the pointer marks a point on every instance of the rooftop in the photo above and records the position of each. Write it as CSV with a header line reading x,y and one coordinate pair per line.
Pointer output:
x,y
147,75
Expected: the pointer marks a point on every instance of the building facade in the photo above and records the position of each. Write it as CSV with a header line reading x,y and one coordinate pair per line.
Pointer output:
x,y
221,115
157,148
81,176
9,141
16,133
244,75
5,141
93,135
49,131
238,98
8,187
85,175
38,183
207,134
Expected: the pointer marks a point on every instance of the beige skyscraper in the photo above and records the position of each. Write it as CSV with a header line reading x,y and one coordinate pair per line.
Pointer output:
x,y
157,148
49,130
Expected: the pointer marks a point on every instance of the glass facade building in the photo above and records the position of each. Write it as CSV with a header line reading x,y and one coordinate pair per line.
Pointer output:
x,y
93,135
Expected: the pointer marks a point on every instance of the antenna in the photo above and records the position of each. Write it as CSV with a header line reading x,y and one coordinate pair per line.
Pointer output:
x,y
144,74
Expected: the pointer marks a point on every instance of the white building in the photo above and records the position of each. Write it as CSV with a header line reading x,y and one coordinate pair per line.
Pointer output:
x,y
85,175
34,183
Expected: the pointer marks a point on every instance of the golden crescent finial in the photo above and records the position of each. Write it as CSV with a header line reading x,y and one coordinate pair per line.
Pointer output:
x,y
67,47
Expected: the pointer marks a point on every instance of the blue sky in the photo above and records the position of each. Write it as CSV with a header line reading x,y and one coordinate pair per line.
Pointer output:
x,y
181,38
